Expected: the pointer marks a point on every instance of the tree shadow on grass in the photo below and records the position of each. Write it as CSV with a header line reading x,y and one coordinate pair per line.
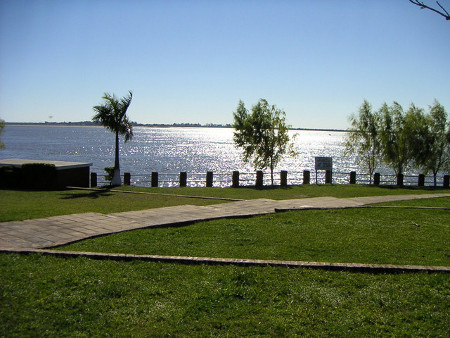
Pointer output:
x,y
90,194
409,187
265,187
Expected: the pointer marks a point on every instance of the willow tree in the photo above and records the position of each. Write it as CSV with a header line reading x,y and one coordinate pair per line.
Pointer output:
x,y
363,139
430,140
395,138
439,158
262,135
112,114
417,127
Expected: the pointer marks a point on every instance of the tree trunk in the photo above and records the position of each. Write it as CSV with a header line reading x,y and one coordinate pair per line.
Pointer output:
x,y
116,180
271,171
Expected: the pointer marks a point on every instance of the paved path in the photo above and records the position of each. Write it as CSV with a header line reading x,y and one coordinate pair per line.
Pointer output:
x,y
58,230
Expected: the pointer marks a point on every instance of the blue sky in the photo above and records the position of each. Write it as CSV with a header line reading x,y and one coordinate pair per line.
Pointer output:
x,y
192,61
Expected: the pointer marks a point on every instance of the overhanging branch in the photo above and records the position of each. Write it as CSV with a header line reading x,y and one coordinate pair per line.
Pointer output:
x,y
444,12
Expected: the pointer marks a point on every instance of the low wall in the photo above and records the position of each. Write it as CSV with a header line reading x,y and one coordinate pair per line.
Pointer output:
x,y
49,175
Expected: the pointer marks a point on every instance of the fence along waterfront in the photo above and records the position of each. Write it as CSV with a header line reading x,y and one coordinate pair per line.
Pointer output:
x,y
260,178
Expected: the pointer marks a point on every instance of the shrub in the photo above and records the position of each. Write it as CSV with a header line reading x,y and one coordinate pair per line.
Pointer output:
x,y
39,176
109,173
10,177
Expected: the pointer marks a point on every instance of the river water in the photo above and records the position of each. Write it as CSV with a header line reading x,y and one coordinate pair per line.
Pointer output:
x,y
169,151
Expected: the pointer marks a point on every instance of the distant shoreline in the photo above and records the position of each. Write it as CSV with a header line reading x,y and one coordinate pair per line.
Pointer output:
x,y
174,125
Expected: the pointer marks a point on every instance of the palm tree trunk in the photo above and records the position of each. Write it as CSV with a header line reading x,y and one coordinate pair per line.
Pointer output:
x,y
116,177
116,159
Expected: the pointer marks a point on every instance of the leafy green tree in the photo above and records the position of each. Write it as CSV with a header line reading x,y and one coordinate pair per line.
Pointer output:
x,y
394,137
262,135
428,138
2,125
417,128
435,155
113,116
363,138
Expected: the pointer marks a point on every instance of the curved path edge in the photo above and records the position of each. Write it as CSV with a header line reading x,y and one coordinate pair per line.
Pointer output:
x,y
361,267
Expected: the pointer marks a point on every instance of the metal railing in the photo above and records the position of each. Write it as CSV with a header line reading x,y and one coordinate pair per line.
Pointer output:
x,y
291,178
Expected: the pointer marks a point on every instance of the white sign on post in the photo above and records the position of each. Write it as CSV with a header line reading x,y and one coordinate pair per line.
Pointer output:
x,y
324,163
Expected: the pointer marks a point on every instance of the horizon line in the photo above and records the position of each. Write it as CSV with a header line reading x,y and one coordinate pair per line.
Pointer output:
x,y
156,125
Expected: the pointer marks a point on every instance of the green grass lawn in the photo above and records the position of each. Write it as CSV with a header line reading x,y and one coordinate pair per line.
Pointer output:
x,y
48,296
442,202
19,205
380,236
291,192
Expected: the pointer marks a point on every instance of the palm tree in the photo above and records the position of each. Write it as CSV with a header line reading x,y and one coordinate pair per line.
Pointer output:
x,y
113,116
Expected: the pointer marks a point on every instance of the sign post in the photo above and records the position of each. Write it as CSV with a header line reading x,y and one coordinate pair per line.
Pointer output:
x,y
323,163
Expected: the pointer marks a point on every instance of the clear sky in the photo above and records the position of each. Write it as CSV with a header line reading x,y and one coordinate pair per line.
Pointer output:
x,y
192,61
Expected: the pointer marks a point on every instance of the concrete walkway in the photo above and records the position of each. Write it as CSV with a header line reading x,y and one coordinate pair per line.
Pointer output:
x,y
53,231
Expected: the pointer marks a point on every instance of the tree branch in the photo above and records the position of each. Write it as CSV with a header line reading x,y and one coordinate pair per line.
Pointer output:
x,y
448,15
422,6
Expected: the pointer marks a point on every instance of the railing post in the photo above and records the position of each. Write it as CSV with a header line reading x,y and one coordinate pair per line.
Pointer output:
x,y
306,176
353,177
376,179
328,177
209,179
259,179
446,181
421,182
93,180
400,180
183,179
283,178
235,179
126,178
155,179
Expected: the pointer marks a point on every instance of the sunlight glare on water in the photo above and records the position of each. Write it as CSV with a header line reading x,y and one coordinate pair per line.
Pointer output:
x,y
169,150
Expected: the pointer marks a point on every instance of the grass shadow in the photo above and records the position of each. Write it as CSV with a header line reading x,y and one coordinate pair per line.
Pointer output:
x,y
408,187
91,194
265,187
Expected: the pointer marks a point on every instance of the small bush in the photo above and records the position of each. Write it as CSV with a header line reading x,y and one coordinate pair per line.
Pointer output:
x,y
109,173
10,177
